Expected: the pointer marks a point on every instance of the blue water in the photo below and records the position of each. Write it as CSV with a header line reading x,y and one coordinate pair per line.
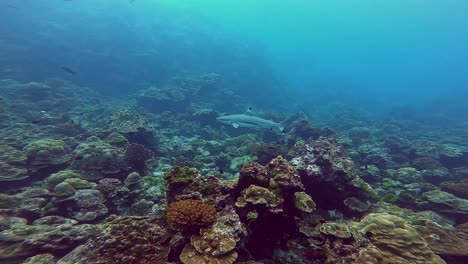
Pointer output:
x,y
371,54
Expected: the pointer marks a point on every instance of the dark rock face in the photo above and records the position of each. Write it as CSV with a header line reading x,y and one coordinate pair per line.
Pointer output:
x,y
271,198
328,173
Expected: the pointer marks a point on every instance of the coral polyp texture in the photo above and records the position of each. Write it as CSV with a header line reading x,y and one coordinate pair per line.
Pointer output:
x,y
191,213
124,240
209,247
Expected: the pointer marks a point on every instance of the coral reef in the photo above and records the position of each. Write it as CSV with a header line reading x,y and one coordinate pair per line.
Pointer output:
x,y
445,241
328,173
459,189
136,154
95,160
48,234
12,164
89,205
444,202
209,247
133,126
46,152
191,213
124,240
266,152
79,171
395,241
162,99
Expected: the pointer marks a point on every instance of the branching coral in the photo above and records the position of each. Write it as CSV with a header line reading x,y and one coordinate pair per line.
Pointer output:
x,y
191,213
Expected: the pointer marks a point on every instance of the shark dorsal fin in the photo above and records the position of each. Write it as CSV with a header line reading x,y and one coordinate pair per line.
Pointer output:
x,y
248,111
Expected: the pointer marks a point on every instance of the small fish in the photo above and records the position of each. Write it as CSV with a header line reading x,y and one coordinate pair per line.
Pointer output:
x,y
12,7
66,68
35,122
221,171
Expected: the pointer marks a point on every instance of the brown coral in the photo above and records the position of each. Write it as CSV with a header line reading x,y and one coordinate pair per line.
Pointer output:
x,y
257,195
129,240
396,241
191,213
459,189
137,153
443,240
209,248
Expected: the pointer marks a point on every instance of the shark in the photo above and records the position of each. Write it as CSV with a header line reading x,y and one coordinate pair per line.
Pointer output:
x,y
247,119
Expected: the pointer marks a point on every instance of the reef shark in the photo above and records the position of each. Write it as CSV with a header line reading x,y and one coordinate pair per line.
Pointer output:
x,y
249,120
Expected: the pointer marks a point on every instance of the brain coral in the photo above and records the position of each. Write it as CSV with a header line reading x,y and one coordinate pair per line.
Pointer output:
x,y
191,213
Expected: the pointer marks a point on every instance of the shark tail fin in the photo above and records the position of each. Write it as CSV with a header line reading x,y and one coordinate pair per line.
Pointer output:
x,y
281,127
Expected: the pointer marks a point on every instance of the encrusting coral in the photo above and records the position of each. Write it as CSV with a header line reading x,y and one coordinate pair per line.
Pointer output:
x,y
191,213
396,241
47,152
136,154
459,189
95,159
132,240
210,247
